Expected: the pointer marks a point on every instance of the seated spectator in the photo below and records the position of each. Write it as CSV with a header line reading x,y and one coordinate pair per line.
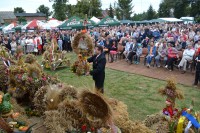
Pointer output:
x,y
151,53
162,53
172,56
138,54
187,56
145,42
101,42
197,45
183,43
132,51
127,48
178,46
113,50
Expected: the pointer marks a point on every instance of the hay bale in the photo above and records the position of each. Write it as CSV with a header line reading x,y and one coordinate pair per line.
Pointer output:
x,y
38,100
52,122
95,105
121,119
71,115
68,92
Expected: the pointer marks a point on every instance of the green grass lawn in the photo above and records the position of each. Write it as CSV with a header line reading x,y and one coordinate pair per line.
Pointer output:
x,y
138,92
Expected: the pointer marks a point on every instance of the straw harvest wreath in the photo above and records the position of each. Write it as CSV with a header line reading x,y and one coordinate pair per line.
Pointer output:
x,y
82,37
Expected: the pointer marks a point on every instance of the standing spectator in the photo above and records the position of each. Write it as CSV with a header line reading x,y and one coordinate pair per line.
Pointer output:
x,y
162,53
138,54
6,43
187,56
151,53
197,75
127,48
38,40
60,44
172,56
30,45
13,45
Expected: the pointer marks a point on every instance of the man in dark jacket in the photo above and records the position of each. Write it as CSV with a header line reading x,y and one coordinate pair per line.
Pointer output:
x,y
132,51
98,72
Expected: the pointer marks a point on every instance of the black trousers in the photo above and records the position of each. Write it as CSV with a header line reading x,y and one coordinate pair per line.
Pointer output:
x,y
130,56
99,85
170,63
69,47
197,77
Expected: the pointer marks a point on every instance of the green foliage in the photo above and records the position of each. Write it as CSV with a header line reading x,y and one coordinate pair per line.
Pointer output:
x,y
111,11
138,92
195,10
124,9
21,19
45,10
139,16
18,10
89,7
60,9
151,13
180,8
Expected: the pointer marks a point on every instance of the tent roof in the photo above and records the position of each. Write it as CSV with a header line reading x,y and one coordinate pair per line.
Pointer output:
x,y
72,22
96,20
108,21
126,21
170,19
34,24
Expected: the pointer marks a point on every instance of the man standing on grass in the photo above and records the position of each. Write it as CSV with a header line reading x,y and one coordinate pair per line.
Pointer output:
x,y
98,72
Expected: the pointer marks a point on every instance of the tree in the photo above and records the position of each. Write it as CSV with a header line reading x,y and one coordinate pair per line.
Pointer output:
x,y
111,11
180,8
195,10
45,10
21,19
59,7
124,8
139,16
18,10
151,13
96,8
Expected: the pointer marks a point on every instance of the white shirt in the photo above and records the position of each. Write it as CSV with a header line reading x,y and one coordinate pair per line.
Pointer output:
x,y
189,52
127,47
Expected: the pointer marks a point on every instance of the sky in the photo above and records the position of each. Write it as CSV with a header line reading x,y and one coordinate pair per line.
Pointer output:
x,y
30,6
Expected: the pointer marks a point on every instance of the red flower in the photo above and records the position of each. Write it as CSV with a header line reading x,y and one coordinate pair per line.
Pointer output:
x,y
30,79
92,129
44,78
83,128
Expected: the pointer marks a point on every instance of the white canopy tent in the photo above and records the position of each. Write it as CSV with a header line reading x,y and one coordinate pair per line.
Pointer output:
x,y
53,23
96,20
9,27
171,19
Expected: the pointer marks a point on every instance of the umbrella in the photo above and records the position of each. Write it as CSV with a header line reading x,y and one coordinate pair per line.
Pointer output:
x,y
72,23
108,21
35,24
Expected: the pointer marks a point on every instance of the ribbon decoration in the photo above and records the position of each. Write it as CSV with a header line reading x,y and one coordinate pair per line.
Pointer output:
x,y
180,124
192,119
188,127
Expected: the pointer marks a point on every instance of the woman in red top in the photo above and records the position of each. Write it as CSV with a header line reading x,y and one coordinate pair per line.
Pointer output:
x,y
113,50
172,56
39,44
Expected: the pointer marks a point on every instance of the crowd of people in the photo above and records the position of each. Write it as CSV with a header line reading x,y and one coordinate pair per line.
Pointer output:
x,y
168,45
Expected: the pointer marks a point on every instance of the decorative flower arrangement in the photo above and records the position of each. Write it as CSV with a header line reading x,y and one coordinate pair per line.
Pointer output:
x,y
53,59
83,47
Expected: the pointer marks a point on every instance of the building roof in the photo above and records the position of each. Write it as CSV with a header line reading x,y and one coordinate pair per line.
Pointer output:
x,y
1,20
7,15
30,15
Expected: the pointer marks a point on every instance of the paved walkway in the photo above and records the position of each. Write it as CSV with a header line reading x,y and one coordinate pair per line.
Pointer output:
x,y
153,72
